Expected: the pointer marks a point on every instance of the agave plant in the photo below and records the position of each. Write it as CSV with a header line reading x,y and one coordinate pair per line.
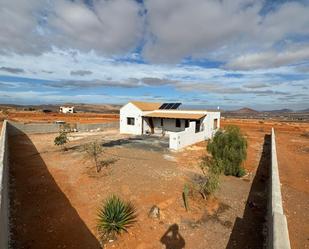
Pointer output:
x,y
115,216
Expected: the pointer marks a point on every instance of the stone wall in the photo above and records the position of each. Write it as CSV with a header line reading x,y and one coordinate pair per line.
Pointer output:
x,y
4,182
277,227
31,128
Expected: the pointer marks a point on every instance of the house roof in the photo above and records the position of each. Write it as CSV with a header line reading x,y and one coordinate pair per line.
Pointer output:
x,y
146,106
180,115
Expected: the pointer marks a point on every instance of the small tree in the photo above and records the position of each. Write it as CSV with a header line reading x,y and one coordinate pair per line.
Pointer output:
x,y
228,149
94,151
61,139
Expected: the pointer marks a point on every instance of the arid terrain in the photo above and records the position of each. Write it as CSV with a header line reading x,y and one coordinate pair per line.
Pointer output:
x,y
293,156
56,194
35,117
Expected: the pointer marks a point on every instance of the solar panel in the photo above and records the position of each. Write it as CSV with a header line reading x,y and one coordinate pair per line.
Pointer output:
x,y
169,106
175,106
162,107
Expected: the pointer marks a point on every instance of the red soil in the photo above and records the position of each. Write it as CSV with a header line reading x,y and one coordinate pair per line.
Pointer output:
x,y
292,140
33,117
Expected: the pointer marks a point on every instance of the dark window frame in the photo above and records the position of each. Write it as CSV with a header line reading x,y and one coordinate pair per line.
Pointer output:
x,y
161,122
187,123
130,121
215,123
197,126
178,123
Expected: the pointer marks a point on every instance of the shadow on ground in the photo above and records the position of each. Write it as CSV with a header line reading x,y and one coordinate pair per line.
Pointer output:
x,y
152,143
172,239
248,232
41,214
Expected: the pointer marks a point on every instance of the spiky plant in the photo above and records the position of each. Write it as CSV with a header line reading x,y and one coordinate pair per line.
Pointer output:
x,y
115,216
185,195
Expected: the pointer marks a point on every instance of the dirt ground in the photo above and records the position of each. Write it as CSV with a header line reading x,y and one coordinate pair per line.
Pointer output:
x,y
56,194
293,159
31,116
292,141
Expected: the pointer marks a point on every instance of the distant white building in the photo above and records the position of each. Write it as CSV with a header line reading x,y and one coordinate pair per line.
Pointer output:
x,y
66,109
183,127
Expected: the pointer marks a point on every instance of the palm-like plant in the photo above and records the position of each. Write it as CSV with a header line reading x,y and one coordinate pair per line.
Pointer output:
x,y
115,216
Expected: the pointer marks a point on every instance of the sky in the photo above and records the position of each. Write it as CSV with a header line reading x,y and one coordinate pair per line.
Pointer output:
x,y
227,53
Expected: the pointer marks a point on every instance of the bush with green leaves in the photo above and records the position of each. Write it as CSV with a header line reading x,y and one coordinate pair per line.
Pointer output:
x,y
115,216
61,139
228,149
211,184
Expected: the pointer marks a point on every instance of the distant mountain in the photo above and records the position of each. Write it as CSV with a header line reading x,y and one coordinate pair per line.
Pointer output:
x,y
304,111
285,110
244,110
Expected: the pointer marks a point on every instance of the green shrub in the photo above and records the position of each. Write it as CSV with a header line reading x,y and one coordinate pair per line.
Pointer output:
x,y
210,165
61,139
210,185
115,216
228,149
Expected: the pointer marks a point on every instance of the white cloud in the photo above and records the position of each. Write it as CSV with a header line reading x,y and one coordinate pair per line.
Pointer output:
x,y
171,30
108,27
218,29
269,59
35,26
180,28
18,26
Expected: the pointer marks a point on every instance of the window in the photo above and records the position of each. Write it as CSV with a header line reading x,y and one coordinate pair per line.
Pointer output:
x,y
215,123
162,122
187,123
197,126
130,121
178,123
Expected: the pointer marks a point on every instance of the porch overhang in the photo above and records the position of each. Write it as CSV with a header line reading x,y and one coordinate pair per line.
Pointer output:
x,y
175,115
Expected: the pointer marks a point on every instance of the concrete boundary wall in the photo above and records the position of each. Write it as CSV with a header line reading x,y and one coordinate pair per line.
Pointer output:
x,y
278,228
32,128
4,189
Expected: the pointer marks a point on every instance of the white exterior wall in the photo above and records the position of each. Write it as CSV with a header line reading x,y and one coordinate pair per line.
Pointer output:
x,y
131,111
179,140
64,109
169,125
209,123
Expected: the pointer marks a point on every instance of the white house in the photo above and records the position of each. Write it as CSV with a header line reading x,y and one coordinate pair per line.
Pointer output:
x,y
66,109
183,127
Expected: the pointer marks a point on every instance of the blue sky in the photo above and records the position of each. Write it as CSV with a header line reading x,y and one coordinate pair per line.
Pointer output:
x,y
228,53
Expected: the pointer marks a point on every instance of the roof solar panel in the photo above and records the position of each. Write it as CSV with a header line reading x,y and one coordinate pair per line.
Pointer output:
x,y
163,106
175,106
169,106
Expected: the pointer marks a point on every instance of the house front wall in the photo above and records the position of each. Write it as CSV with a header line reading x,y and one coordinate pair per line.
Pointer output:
x,y
130,111
189,136
169,125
